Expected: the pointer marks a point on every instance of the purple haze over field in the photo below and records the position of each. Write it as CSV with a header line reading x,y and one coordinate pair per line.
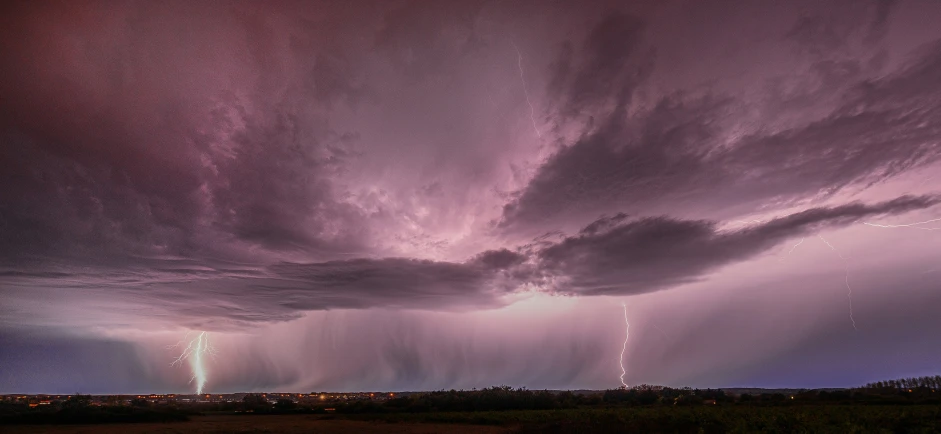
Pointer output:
x,y
404,195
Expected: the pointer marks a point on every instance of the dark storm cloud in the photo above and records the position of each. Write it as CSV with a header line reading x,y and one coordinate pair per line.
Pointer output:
x,y
170,131
499,259
880,21
422,37
274,189
391,282
617,256
600,169
679,155
205,134
611,256
351,196
209,294
608,65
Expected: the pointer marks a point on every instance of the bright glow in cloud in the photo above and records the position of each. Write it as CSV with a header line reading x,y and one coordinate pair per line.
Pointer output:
x,y
353,198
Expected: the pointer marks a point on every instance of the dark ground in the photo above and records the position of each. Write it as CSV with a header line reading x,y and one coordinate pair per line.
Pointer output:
x,y
712,419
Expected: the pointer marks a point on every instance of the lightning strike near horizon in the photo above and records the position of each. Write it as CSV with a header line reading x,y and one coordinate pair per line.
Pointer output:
x,y
627,334
532,110
846,266
195,351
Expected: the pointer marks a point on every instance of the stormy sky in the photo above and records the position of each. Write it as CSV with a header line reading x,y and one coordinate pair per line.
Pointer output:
x,y
415,195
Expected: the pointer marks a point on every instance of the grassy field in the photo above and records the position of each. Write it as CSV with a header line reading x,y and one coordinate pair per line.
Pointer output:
x,y
707,419
840,419
219,424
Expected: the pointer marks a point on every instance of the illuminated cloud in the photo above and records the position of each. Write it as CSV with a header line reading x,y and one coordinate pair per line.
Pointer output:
x,y
244,168
618,256
679,155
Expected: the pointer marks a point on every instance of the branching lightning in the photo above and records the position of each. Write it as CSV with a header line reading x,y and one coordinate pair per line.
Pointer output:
x,y
795,246
627,334
195,351
846,266
661,331
916,225
532,110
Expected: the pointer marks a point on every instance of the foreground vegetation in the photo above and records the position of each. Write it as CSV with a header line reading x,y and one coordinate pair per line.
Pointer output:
x,y
77,410
909,406
879,408
718,419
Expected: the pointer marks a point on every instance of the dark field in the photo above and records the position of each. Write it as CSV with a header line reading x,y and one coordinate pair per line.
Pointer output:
x,y
718,419
898,406
214,424
815,419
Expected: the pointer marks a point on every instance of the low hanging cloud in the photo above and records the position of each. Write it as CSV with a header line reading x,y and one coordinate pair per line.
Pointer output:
x,y
208,293
611,256
618,256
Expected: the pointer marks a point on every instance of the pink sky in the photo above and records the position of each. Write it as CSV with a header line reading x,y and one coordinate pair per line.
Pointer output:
x,y
425,195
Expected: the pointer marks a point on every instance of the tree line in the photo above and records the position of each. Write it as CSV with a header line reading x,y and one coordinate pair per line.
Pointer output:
x,y
927,382
79,409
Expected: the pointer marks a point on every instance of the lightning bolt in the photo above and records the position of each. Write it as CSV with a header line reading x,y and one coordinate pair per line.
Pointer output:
x,y
916,225
661,331
195,351
627,334
849,290
795,246
532,110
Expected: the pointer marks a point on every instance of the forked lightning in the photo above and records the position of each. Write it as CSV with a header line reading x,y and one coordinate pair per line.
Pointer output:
x,y
627,334
195,351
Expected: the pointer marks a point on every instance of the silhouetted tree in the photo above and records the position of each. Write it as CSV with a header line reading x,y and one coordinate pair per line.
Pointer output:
x,y
77,401
285,404
255,402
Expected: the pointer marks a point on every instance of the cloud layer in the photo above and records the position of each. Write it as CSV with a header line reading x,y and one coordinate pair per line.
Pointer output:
x,y
617,256
231,166
611,256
